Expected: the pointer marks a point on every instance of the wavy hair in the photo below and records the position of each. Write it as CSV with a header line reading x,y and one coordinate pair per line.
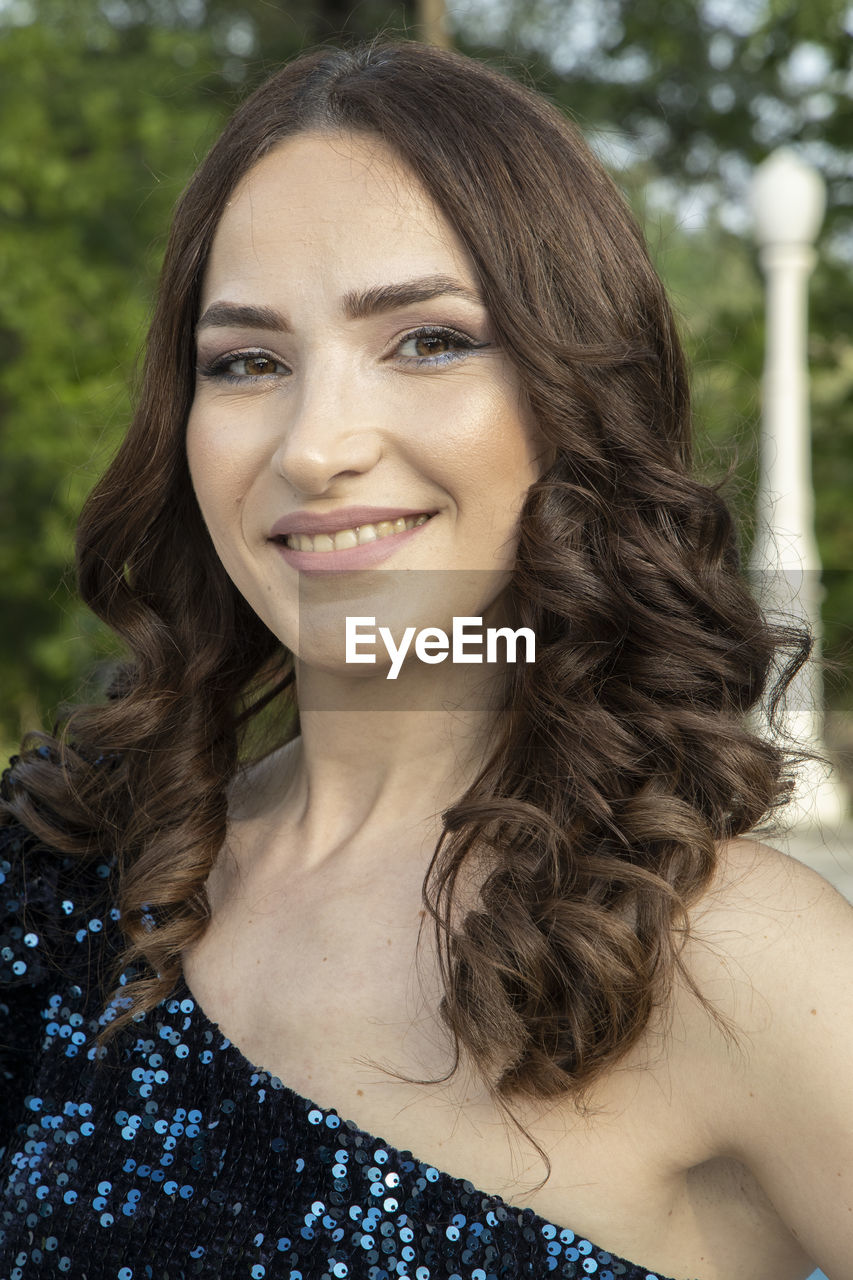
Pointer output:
x,y
621,757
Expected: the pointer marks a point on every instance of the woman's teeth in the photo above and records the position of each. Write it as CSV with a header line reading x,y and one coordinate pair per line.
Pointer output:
x,y
356,537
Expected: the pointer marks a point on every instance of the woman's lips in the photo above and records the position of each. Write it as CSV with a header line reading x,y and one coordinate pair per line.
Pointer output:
x,y
361,557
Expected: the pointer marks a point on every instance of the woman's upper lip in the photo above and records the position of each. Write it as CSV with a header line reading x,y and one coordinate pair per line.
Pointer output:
x,y
312,522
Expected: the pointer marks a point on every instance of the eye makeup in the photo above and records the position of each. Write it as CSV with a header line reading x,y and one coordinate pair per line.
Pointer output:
x,y
267,365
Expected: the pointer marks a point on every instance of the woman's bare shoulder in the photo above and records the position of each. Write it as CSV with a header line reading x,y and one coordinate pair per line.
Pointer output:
x,y
764,921
760,899
764,935
771,948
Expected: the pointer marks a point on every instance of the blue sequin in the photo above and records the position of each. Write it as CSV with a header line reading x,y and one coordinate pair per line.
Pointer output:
x,y
174,1138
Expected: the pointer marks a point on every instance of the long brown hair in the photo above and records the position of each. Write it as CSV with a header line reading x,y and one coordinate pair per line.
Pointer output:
x,y
623,754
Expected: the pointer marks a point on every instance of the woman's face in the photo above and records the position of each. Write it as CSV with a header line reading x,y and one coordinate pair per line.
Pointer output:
x,y
345,360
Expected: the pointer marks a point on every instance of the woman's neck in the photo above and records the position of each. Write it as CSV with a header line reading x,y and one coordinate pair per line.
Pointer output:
x,y
369,764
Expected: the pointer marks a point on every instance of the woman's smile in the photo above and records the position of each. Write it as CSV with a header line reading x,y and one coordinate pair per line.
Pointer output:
x,y
360,547
354,536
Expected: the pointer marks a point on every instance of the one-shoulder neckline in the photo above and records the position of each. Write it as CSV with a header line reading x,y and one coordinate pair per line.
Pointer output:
x,y
243,1068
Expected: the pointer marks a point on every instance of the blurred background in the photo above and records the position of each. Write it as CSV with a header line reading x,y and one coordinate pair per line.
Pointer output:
x,y
107,105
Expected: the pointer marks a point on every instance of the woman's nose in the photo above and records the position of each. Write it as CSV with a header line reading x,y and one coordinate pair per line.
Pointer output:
x,y
328,429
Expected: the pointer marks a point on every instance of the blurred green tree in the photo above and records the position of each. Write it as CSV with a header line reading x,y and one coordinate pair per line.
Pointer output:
x,y
90,116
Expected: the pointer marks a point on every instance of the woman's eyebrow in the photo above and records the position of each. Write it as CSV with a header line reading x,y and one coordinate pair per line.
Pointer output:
x,y
387,297
355,305
237,315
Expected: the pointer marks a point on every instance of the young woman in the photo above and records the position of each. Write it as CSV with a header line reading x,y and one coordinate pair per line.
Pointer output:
x,y
410,364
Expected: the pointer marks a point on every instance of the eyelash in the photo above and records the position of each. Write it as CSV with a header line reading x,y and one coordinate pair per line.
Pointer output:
x,y
218,368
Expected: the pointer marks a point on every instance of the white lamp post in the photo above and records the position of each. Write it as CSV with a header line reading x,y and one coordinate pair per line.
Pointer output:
x,y
788,202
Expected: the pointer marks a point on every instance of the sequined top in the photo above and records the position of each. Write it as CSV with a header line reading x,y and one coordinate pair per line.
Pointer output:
x,y
177,1157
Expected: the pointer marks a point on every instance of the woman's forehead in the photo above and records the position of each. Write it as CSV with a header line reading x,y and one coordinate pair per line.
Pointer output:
x,y
334,205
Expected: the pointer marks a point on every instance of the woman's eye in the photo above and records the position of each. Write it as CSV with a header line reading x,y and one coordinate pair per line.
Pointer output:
x,y
256,366
431,345
242,367
436,346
